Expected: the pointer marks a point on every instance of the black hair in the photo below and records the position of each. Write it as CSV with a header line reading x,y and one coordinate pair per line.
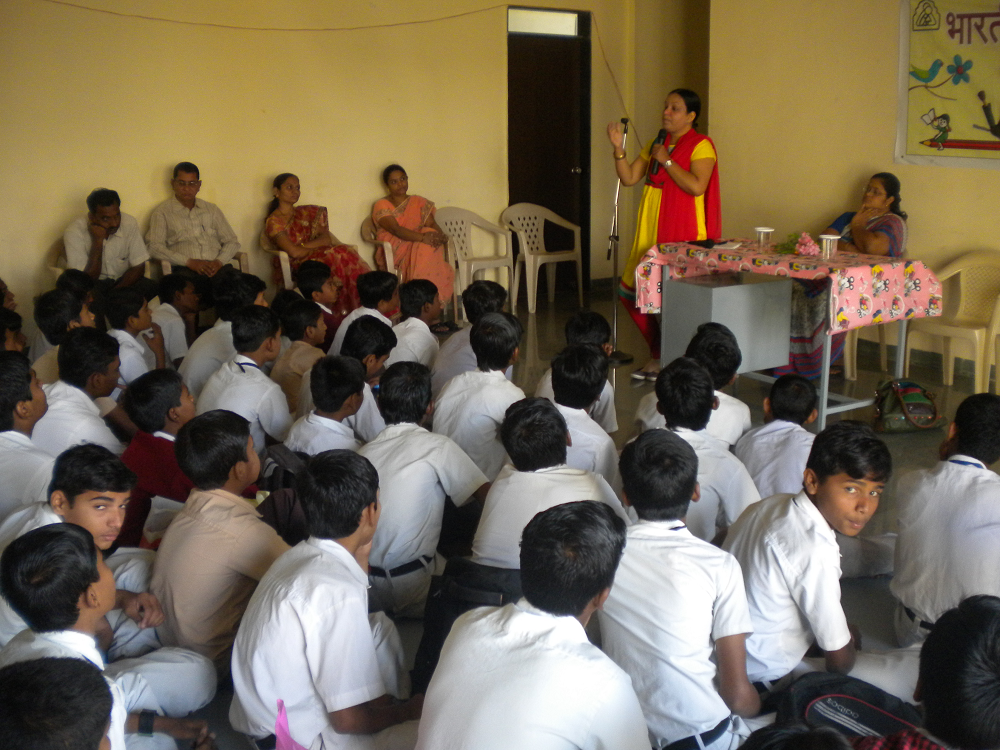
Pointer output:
x,y
494,339
404,393
170,286
365,336
299,315
659,472
692,102
534,434
53,704
714,347
685,394
387,172
210,445
54,311
334,489
852,448
578,375
334,379
120,304
796,735
9,321
252,326
102,198
43,574
233,289
375,287
481,297
413,295
76,282
84,352
977,422
569,555
276,183
89,468
587,327
793,398
891,184
283,299
15,386
186,166
150,397
960,675
311,276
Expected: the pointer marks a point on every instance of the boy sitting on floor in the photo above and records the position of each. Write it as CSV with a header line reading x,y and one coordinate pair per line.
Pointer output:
x,y
303,323
176,315
379,294
11,338
317,284
26,469
57,313
456,355
128,314
337,385
420,307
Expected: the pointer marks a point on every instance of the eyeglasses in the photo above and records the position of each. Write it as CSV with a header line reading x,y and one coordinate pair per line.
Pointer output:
x,y
181,183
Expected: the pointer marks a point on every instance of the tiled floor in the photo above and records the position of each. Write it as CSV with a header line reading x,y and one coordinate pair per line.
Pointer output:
x,y
867,601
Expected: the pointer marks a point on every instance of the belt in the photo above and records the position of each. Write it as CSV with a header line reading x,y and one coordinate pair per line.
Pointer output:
x,y
763,686
922,623
707,738
401,570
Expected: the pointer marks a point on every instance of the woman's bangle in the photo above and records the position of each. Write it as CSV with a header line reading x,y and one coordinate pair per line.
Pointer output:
x,y
619,158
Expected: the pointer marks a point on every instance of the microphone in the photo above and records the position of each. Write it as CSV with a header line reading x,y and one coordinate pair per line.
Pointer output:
x,y
661,138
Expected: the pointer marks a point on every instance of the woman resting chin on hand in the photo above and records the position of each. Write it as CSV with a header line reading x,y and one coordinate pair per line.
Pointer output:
x,y
879,226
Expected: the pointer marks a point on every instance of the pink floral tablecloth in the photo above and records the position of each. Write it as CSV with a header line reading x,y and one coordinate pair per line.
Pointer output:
x,y
865,289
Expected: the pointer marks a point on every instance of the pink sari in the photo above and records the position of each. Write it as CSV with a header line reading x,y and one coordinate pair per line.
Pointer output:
x,y
415,260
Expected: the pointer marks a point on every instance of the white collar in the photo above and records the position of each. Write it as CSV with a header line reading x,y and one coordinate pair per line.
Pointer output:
x,y
164,435
330,547
198,203
329,424
567,625
963,460
324,308
19,438
166,306
85,644
62,389
220,323
126,338
806,506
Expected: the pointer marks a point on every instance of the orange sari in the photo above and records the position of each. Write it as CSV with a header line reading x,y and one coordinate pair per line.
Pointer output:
x,y
415,260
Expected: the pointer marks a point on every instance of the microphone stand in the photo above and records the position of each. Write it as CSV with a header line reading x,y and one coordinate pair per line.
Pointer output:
x,y
617,357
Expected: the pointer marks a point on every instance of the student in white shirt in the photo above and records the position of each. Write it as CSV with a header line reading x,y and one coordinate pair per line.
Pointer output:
x,y
948,546
472,405
26,469
338,390
176,315
456,355
239,386
418,472
307,638
379,295
677,618
56,313
535,436
369,341
686,398
525,675
88,370
588,327
317,284
304,326
129,317
775,453
578,375
787,548
420,307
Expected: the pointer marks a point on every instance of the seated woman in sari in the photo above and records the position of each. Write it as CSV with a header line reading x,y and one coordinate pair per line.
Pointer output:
x,y
407,223
877,228
304,233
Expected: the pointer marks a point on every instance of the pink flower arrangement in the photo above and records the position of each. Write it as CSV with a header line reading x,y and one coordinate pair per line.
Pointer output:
x,y
806,245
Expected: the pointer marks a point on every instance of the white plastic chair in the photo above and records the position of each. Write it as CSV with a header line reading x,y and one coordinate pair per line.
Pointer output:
x,y
286,267
851,353
972,314
457,223
241,261
370,235
528,220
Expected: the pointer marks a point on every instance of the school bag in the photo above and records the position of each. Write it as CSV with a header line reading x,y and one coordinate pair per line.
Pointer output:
x,y
905,406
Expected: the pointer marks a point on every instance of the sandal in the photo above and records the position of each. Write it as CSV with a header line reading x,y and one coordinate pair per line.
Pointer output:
x,y
443,327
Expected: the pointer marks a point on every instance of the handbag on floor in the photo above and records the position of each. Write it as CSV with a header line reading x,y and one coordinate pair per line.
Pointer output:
x,y
905,406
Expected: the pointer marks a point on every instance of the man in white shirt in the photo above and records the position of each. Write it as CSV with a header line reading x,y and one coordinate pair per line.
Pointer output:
x,y
677,618
26,468
88,369
418,471
535,436
775,453
379,295
337,385
176,315
525,675
420,306
472,405
307,638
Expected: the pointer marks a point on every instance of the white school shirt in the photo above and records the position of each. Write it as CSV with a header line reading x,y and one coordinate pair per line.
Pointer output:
x,y
174,332
72,419
791,568
414,343
208,353
338,338
314,434
239,386
470,411
674,596
592,448
367,421
727,423
726,487
601,411
19,523
518,677
775,454
305,638
948,546
26,470
417,470
70,644
454,357
136,357
517,496
122,250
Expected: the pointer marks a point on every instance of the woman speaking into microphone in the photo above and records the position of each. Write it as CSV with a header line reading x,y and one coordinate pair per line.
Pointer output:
x,y
680,199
